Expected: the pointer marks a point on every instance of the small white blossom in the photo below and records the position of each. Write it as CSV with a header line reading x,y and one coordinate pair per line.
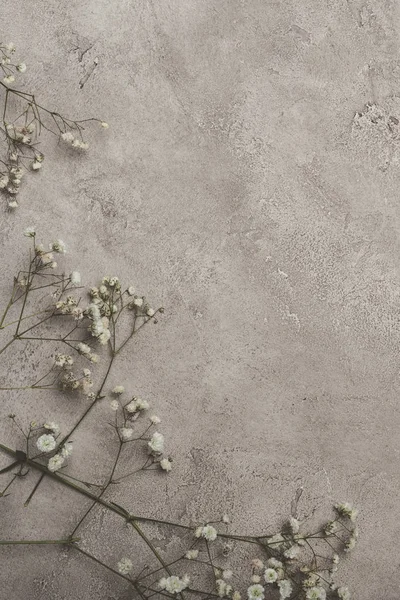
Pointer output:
x,y
173,584
9,79
55,462
54,427
345,509
155,420
58,246
75,278
114,404
156,444
104,125
256,563
67,449
316,593
294,525
30,232
46,443
138,302
166,464
343,593
292,552
125,566
270,575
192,554
255,592
21,67
36,165
150,312
126,433
118,390
131,290
236,596
67,136
285,589
208,532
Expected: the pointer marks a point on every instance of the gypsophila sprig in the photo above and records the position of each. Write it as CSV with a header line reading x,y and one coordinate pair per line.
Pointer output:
x,y
24,121
85,331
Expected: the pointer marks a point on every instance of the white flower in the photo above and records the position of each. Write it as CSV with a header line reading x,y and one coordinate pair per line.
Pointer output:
x,y
10,47
345,509
155,420
208,532
125,566
131,290
316,593
294,525
270,575
285,589
118,390
173,584
30,232
274,563
126,433
36,165
21,67
255,592
114,404
83,348
276,540
166,464
67,136
138,301
225,519
236,596
257,563
55,462
192,554
104,337
46,443
156,444
53,427
75,278
343,593
104,124
150,312
292,552
9,79
67,449
58,246
255,579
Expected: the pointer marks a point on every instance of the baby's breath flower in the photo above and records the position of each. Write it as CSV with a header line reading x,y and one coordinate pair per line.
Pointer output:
x,y
67,449
55,462
114,404
270,575
21,67
36,165
191,554
294,525
274,563
173,584
118,390
292,552
346,510
138,301
255,592
131,290
316,593
155,420
156,444
54,427
285,589
75,278
166,464
255,578
104,124
275,541
30,232
9,79
125,566
46,443
150,312
126,433
343,593
256,563
67,137
58,246
236,596
208,532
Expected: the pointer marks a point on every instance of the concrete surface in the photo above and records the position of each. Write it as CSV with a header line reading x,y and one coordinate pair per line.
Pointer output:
x,y
249,182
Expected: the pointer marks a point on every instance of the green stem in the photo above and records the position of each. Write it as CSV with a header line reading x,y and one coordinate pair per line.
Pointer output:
x,y
37,542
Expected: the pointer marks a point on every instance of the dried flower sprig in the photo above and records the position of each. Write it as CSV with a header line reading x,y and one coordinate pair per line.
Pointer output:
x,y
22,125
290,564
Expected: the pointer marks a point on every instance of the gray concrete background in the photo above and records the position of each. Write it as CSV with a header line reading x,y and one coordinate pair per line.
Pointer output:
x,y
236,187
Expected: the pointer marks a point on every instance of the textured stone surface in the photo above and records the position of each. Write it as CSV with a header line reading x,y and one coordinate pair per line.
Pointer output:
x,y
249,182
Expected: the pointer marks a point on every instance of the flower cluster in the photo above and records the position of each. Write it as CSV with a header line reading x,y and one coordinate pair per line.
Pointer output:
x,y
22,133
47,442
